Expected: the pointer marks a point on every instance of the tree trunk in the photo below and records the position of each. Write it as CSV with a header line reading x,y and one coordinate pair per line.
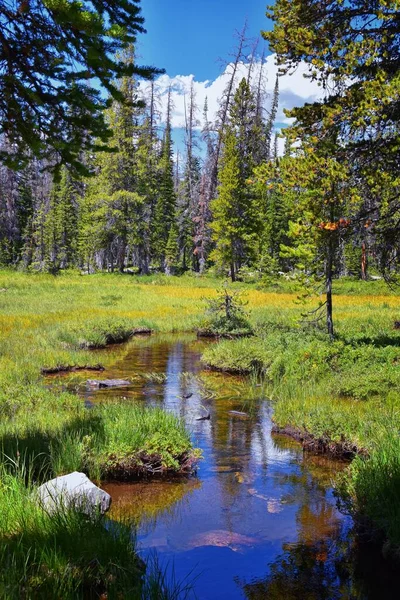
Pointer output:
x,y
329,311
364,262
233,273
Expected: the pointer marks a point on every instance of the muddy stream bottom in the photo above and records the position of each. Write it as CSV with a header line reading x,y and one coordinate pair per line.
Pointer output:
x,y
259,520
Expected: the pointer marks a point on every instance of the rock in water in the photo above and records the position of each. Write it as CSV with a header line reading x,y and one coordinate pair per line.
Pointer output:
x,y
238,413
108,383
221,539
73,491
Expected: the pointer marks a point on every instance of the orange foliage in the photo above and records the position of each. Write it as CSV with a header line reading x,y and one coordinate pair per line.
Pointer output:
x,y
334,225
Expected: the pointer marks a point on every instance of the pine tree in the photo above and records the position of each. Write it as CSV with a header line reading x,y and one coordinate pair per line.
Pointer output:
x,y
236,218
61,225
202,213
113,205
165,209
172,250
269,128
352,51
188,196
50,53
275,209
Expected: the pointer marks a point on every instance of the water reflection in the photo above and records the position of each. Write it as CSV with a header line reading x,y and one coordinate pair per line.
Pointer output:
x,y
260,520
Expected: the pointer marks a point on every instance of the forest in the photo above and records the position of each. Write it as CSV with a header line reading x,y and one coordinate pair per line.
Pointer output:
x,y
269,255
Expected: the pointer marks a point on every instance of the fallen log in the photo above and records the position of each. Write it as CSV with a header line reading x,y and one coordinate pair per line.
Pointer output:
x,y
70,369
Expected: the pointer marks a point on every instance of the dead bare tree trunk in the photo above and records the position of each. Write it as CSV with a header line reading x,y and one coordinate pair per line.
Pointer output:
x,y
364,262
225,104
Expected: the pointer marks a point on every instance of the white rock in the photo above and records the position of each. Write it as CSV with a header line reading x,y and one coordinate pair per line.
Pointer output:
x,y
73,491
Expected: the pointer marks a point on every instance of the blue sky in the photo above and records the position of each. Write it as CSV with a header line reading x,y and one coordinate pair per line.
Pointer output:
x,y
188,36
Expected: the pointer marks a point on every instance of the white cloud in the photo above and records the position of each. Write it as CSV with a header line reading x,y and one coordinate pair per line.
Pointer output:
x,y
295,90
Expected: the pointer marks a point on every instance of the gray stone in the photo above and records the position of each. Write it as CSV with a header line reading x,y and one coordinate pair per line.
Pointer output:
x,y
108,383
73,491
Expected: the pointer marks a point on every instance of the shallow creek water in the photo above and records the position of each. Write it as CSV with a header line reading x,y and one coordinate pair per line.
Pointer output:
x,y
259,520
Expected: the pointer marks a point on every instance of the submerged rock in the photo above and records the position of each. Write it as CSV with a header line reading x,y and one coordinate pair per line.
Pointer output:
x,y
108,383
238,413
73,491
223,539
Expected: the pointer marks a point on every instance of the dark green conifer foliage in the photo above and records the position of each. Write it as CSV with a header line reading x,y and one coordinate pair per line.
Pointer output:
x,y
111,222
61,224
188,190
50,52
235,215
172,250
165,208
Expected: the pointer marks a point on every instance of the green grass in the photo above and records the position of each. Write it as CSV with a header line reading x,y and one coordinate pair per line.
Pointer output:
x,y
100,332
123,441
65,555
117,441
370,490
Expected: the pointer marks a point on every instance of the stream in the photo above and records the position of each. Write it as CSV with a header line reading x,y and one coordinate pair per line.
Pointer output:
x,y
259,520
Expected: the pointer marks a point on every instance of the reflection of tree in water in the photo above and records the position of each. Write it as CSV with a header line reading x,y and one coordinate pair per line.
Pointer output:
x,y
304,572
143,503
327,562
338,568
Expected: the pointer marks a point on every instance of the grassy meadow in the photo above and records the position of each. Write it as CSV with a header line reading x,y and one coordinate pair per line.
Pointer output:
x,y
346,391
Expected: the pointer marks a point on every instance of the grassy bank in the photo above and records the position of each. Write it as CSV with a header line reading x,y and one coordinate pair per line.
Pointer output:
x,y
66,555
111,441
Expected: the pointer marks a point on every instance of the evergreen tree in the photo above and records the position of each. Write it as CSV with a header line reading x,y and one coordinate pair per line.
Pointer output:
x,y
49,53
235,214
111,216
271,120
172,250
275,209
61,224
202,213
165,209
352,51
323,199
188,190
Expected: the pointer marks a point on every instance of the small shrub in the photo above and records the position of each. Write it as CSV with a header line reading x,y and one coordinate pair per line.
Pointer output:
x,y
225,315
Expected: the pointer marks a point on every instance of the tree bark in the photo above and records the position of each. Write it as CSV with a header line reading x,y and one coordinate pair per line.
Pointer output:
x,y
233,273
364,262
329,306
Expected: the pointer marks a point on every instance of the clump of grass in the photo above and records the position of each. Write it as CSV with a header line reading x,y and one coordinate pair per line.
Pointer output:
x,y
126,442
237,356
99,333
154,377
370,490
116,440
